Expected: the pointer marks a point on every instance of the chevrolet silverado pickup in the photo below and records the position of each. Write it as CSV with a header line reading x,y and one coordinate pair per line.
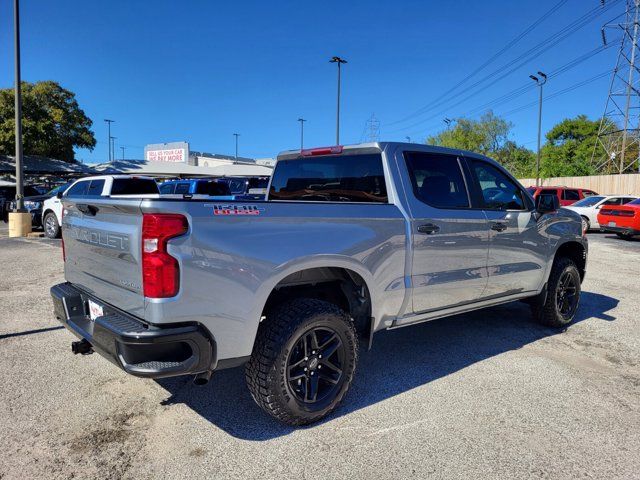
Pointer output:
x,y
350,240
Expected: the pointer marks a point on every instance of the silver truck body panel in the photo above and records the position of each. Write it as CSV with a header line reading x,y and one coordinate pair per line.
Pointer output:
x,y
230,264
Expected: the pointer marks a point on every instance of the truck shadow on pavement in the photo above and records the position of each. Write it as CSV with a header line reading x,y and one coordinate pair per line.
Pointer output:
x,y
399,361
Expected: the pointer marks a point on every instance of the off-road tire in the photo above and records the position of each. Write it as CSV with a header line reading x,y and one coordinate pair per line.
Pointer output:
x,y
49,230
278,334
548,312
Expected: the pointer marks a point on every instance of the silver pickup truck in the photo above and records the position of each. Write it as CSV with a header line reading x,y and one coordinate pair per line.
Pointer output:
x,y
349,241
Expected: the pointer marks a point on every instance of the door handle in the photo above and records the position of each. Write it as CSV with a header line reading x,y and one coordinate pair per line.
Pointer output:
x,y
87,209
429,228
499,226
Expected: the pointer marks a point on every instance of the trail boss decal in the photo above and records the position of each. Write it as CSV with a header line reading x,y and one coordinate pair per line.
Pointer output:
x,y
222,209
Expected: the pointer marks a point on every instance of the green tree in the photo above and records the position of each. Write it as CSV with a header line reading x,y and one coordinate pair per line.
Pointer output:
x,y
486,135
520,161
489,136
52,122
569,148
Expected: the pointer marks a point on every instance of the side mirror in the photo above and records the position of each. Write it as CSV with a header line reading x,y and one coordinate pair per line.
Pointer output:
x,y
547,203
59,194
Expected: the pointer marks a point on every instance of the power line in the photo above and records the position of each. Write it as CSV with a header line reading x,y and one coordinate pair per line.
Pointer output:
x,y
509,96
495,56
558,93
519,61
548,97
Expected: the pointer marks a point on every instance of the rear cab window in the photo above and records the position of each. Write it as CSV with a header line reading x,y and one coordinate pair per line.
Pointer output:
x,y
330,178
182,188
134,186
167,188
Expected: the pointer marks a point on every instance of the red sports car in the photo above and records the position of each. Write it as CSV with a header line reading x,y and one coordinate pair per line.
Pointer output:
x,y
623,220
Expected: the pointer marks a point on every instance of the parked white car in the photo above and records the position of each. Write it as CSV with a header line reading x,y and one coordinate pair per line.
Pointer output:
x,y
589,207
98,186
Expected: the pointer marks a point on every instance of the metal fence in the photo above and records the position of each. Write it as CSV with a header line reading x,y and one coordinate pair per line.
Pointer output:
x,y
616,184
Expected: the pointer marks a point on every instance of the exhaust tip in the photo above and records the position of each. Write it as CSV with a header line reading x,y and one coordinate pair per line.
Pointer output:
x,y
202,378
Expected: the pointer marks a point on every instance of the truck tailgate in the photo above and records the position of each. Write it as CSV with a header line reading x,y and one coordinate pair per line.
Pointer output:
x,y
102,240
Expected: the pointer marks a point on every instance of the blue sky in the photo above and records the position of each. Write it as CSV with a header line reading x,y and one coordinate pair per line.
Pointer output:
x,y
201,70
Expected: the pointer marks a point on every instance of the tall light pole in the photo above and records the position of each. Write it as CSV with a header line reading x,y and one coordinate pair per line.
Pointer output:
x,y
408,139
236,135
540,81
18,112
122,148
339,61
112,147
109,122
301,120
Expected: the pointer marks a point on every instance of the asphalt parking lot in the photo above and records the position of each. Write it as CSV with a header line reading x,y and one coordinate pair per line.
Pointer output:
x,y
485,395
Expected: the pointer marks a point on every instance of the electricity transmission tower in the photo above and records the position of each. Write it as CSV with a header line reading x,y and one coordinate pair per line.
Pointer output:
x,y
372,128
619,132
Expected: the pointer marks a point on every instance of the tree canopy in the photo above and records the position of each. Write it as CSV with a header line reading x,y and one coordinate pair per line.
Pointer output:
x,y
489,135
568,149
53,124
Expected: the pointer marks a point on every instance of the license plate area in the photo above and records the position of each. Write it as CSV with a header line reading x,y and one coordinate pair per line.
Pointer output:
x,y
95,310
612,224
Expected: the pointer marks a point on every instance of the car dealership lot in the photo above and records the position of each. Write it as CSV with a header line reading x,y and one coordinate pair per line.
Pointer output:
x,y
486,395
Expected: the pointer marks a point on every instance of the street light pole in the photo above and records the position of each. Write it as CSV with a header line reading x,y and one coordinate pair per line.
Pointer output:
x,y
301,120
122,148
540,81
236,135
408,139
109,122
112,147
339,61
18,112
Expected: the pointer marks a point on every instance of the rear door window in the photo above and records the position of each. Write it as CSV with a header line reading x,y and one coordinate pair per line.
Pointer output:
x,y
549,191
330,178
79,189
437,179
612,201
95,187
626,200
571,195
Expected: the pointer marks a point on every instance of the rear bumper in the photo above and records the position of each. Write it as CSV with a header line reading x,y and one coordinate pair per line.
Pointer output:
x,y
624,230
138,348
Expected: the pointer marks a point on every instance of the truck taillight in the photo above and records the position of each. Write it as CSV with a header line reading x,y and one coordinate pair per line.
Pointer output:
x,y
160,271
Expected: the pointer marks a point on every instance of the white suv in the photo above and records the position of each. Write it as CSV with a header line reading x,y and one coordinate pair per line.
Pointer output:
x,y
98,186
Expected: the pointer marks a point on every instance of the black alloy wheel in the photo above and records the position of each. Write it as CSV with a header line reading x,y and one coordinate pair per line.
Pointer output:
x,y
566,295
315,364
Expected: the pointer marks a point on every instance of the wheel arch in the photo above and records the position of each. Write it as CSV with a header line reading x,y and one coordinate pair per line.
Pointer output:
x,y
576,251
346,284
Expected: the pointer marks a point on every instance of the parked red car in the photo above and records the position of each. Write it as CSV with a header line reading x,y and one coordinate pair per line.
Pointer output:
x,y
566,195
623,220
